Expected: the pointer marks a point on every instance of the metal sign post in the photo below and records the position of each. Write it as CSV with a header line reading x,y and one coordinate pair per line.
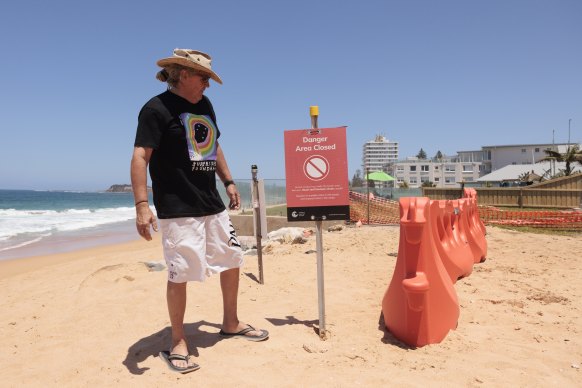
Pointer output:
x,y
368,192
316,187
257,215
314,113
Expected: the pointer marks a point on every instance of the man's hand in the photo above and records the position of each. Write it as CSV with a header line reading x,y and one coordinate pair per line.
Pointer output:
x,y
234,197
144,218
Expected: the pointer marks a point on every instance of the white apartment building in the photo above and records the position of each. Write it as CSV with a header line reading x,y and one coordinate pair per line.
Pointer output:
x,y
496,157
379,154
446,172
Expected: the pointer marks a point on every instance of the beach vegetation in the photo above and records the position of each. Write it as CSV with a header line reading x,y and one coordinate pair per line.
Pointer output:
x,y
357,180
572,155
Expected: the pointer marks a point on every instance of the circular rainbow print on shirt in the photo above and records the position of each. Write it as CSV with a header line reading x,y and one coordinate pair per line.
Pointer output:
x,y
200,136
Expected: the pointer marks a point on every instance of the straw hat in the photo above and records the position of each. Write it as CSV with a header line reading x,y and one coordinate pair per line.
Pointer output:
x,y
196,60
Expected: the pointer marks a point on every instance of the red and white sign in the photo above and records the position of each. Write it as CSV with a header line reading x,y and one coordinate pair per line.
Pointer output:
x,y
316,170
316,167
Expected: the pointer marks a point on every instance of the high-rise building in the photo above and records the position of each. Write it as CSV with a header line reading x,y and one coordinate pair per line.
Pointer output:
x,y
379,154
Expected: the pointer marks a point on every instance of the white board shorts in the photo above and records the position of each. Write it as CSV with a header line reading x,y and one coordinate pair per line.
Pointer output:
x,y
197,247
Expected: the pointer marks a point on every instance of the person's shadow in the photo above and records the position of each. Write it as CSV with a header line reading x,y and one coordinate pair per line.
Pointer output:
x,y
152,345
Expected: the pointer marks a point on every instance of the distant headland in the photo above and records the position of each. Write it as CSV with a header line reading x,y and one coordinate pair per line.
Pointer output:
x,y
122,189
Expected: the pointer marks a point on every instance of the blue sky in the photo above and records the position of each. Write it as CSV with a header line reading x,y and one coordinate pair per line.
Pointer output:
x,y
441,75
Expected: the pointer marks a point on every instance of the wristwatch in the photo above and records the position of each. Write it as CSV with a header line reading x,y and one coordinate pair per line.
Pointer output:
x,y
228,183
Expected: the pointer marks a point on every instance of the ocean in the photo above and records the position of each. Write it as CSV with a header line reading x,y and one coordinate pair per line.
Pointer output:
x,y
60,220
44,222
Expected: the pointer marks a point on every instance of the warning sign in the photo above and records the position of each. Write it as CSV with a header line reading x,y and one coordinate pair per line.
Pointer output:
x,y
316,169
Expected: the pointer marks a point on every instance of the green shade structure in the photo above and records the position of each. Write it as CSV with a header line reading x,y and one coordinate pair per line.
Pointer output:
x,y
379,176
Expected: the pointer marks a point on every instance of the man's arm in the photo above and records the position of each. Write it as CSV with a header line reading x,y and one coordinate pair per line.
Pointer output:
x,y
224,174
144,216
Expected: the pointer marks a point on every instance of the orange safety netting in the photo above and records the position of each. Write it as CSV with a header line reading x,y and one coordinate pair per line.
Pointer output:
x,y
560,219
381,211
385,212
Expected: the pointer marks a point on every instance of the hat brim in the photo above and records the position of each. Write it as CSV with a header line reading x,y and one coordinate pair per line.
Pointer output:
x,y
186,63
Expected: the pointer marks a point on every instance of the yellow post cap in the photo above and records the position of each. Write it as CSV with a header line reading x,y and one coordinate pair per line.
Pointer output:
x,y
314,110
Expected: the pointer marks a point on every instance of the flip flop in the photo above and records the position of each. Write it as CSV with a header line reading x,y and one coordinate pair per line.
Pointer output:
x,y
242,334
168,358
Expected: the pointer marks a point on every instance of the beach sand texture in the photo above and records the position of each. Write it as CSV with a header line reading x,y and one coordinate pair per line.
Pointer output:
x,y
98,317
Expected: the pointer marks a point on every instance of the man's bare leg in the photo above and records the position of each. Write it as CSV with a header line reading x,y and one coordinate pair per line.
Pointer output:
x,y
229,281
176,298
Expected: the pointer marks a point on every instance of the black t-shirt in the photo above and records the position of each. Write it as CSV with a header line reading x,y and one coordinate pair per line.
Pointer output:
x,y
183,162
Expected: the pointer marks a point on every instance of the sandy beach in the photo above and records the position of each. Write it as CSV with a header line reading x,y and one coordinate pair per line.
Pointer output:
x,y
97,317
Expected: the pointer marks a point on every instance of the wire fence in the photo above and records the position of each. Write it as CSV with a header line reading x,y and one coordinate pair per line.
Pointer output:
x,y
380,206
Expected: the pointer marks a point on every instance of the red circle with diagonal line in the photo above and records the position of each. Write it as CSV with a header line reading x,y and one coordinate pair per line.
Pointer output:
x,y
316,167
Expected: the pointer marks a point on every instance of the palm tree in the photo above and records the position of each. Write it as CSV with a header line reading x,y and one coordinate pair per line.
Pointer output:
x,y
578,157
572,155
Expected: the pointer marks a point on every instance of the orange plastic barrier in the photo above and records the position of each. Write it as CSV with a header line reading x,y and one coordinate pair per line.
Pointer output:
x,y
456,255
474,237
420,305
472,193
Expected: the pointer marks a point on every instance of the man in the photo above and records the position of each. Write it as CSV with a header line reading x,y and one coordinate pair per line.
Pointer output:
x,y
177,137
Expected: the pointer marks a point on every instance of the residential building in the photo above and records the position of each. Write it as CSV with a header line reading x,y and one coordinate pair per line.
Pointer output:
x,y
496,157
444,172
467,166
379,154
511,174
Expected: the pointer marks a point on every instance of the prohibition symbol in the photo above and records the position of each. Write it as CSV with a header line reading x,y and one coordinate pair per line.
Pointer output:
x,y
316,167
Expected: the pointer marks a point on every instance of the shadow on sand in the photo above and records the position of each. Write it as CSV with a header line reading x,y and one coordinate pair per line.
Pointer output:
x,y
389,337
153,344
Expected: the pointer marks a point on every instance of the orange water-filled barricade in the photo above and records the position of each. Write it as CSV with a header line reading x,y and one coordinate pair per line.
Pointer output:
x,y
472,194
475,237
455,253
439,242
420,305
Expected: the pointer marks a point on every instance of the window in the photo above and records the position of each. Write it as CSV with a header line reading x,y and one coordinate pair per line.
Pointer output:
x,y
450,167
437,179
424,167
537,150
413,180
523,150
400,168
467,168
450,179
412,168
424,179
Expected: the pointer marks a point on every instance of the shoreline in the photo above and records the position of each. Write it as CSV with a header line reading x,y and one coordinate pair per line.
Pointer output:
x,y
19,266
124,231
63,242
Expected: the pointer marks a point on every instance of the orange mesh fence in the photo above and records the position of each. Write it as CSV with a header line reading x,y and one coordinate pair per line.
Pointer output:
x,y
564,219
386,212
382,211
